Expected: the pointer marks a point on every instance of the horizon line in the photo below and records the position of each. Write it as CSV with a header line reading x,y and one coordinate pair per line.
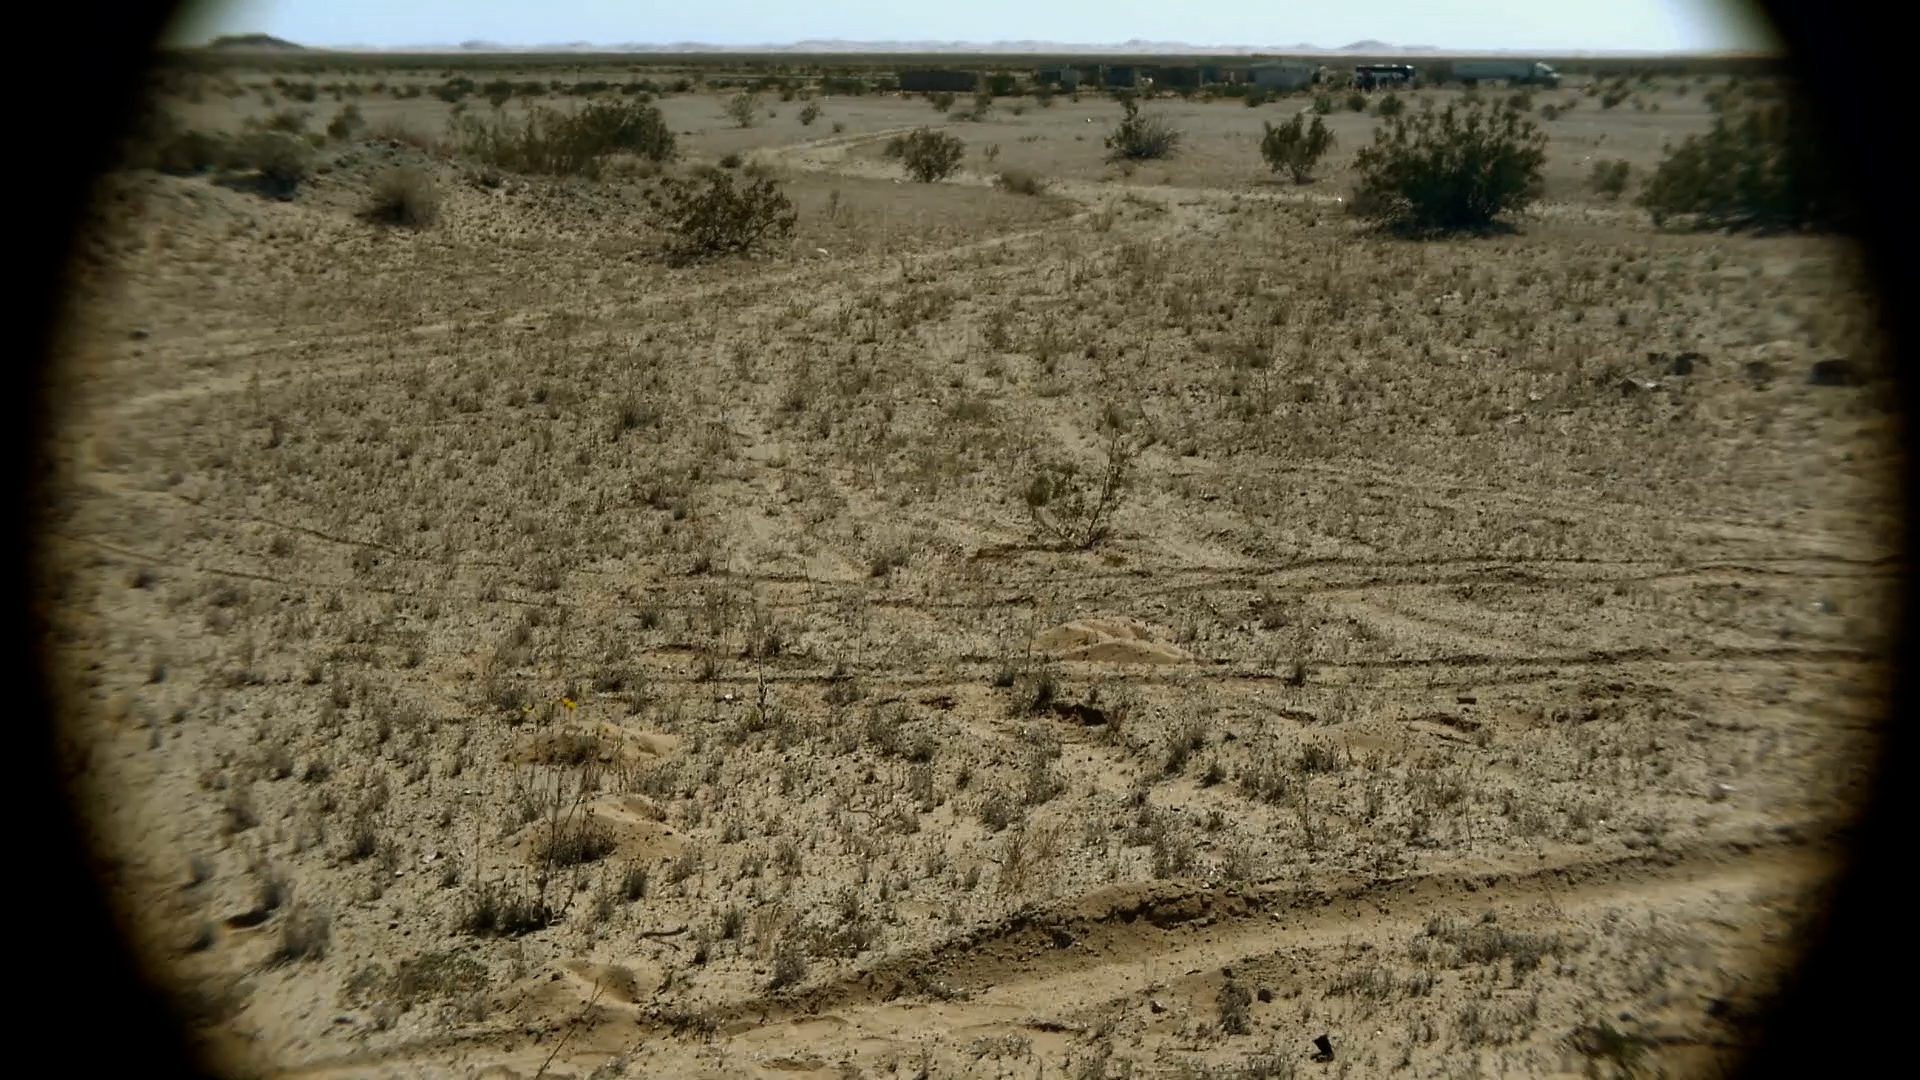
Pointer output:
x,y
1000,47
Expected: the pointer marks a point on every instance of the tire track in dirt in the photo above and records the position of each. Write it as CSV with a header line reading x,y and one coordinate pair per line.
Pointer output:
x,y
1146,919
1501,660
1039,962
1535,666
116,486
1211,579
364,345
1605,658
1466,494
1489,563
1487,670
272,579
1046,989
1411,573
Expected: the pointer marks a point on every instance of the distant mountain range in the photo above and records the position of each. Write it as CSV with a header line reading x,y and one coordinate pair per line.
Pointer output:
x,y
1135,47
253,43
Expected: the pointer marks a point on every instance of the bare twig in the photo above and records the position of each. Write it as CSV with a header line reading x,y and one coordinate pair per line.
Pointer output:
x,y
577,1021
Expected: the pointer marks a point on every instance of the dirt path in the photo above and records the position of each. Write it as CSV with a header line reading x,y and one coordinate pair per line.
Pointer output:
x,y
1049,969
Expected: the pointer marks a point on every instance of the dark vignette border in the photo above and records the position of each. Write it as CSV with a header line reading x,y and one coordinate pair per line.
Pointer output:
x,y
83,1006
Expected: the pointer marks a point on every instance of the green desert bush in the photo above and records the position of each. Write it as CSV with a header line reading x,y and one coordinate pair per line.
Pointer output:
x,y
1141,138
1443,170
1759,167
1296,147
931,155
1609,179
552,143
741,109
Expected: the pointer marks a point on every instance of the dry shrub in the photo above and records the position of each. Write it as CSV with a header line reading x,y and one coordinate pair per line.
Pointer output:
x,y
576,843
404,196
346,124
159,141
434,975
492,911
290,121
1021,182
1070,506
711,216
789,965
405,136
1609,178
741,109
280,162
1235,1000
304,935
189,152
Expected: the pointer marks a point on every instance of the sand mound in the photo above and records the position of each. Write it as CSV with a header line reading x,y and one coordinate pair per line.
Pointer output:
x,y
579,744
633,825
1108,640
617,982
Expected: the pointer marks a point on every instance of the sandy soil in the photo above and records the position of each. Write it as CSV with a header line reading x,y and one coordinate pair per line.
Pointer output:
x,y
1464,670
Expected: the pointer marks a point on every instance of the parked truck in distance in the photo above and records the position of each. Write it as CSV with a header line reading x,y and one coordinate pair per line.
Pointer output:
x,y
1529,72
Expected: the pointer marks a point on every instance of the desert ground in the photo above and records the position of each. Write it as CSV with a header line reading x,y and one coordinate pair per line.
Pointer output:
x,y
494,652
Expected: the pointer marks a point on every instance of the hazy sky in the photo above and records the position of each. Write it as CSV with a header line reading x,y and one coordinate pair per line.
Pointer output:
x,y
1458,24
